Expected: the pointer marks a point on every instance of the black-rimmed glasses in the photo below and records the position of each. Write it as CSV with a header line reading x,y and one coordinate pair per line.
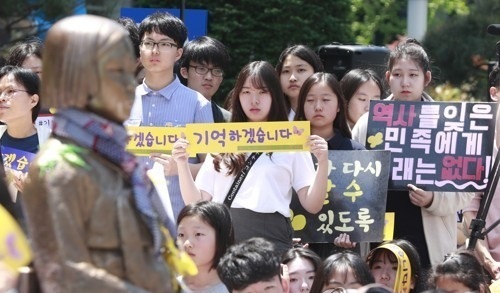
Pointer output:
x,y
202,70
162,46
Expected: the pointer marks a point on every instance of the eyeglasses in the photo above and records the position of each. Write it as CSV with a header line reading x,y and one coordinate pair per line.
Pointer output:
x,y
162,46
202,70
9,93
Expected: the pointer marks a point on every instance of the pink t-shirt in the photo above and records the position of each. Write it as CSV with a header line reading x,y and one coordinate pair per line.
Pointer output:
x,y
493,237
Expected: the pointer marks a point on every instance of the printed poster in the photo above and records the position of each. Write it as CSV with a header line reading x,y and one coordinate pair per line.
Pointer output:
x,y
355,201
437,146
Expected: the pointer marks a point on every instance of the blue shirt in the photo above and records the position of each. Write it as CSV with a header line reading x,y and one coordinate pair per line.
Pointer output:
x,y
173,105
28,144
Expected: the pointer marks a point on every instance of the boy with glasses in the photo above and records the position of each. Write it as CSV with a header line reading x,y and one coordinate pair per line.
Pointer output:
x,y
161,99
202,65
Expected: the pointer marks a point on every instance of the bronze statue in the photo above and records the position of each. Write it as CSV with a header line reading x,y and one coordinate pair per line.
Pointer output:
x,y
89,217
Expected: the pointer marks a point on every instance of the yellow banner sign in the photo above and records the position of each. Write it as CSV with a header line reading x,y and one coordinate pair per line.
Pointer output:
x,y
222,137
390,219
14,248
145,140
248,137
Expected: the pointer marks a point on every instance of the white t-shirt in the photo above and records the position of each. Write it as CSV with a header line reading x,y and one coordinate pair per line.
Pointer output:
x,y
267,188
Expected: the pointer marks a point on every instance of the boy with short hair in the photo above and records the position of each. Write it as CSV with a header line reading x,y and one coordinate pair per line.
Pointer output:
x,y
252,266
203,64
161,100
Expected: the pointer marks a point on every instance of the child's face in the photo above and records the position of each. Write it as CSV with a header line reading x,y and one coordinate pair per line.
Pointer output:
x,y
295,71
275,285
301,272
117,83
206,84
198,239
344,279
359,103
158,60
407,80
384,270
255,102
321,107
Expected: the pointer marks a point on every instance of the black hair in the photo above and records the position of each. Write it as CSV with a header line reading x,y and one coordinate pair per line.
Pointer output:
x,y
247,263
412,50
133,32
419,276
205,50
303,52
344,261
463,267
262,75
29,80
20,51
355,78
301,252
218,217
166,24
340,122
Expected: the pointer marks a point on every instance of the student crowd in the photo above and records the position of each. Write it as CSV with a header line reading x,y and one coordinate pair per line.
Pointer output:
x,y
96,223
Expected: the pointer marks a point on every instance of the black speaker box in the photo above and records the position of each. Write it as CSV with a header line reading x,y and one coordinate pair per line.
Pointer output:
x,y
339,59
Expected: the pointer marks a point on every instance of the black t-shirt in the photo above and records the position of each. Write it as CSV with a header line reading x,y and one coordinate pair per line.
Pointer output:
x,y
408,222
27,144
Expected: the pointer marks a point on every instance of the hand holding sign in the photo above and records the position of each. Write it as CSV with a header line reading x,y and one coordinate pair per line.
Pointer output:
x,y
420,197
180,150
319,147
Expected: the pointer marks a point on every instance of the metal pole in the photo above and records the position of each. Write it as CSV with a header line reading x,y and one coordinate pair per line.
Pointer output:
x,y
417,19
183,8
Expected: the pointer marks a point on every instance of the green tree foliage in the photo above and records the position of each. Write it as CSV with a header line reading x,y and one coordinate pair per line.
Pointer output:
x,y
260,30
16,17
441,10
461,48
378,21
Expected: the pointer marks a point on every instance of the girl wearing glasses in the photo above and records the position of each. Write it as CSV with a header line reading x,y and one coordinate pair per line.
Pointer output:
x,y
19,108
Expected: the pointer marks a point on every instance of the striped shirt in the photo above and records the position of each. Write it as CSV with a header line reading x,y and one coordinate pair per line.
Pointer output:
x,y
173,105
